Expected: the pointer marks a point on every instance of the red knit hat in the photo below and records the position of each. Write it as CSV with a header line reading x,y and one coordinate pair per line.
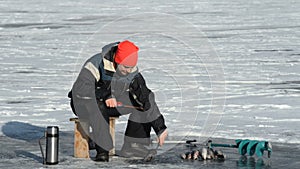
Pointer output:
x,y
126,54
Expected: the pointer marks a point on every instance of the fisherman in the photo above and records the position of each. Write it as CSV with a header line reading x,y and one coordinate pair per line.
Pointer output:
x,y
108,81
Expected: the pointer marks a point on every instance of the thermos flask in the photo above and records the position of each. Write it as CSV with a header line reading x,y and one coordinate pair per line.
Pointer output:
x,y
52,138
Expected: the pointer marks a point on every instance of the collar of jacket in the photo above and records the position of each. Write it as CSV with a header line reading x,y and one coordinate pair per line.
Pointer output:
x,y
109,65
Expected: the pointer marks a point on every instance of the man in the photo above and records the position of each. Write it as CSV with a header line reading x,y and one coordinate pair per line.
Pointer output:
x,y
108,81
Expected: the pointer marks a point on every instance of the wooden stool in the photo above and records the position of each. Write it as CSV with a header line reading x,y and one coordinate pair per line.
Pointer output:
x,y
81,146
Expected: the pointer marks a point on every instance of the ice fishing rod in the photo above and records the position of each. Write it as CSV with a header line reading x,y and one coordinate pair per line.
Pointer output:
x,y
120,104
192,142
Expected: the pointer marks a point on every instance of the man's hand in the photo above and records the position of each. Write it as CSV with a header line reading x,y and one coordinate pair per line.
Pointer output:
x,y
112,102
162,137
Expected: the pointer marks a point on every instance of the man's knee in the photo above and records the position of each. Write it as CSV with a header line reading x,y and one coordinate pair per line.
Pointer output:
x,y
138,130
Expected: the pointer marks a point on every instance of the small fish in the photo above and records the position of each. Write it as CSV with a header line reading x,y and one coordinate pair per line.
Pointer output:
x,y
211,154
204,153
219,155
196,155
189,156
183,155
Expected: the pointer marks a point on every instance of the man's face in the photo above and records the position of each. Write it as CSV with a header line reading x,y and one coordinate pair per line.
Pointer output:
x,y
124,70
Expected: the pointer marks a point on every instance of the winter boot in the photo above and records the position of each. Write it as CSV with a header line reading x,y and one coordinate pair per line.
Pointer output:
x,y
102,154
102,157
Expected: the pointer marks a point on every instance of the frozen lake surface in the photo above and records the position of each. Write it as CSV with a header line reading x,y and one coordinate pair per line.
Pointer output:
x,y
226,70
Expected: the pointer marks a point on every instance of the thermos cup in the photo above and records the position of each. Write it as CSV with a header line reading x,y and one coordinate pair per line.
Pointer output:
x,y
52,137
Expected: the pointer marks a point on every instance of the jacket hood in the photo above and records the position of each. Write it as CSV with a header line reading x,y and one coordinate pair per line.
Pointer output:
x,y
108,50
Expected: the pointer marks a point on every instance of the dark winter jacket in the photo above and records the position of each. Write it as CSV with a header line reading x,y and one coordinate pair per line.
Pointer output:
x,y
98,80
